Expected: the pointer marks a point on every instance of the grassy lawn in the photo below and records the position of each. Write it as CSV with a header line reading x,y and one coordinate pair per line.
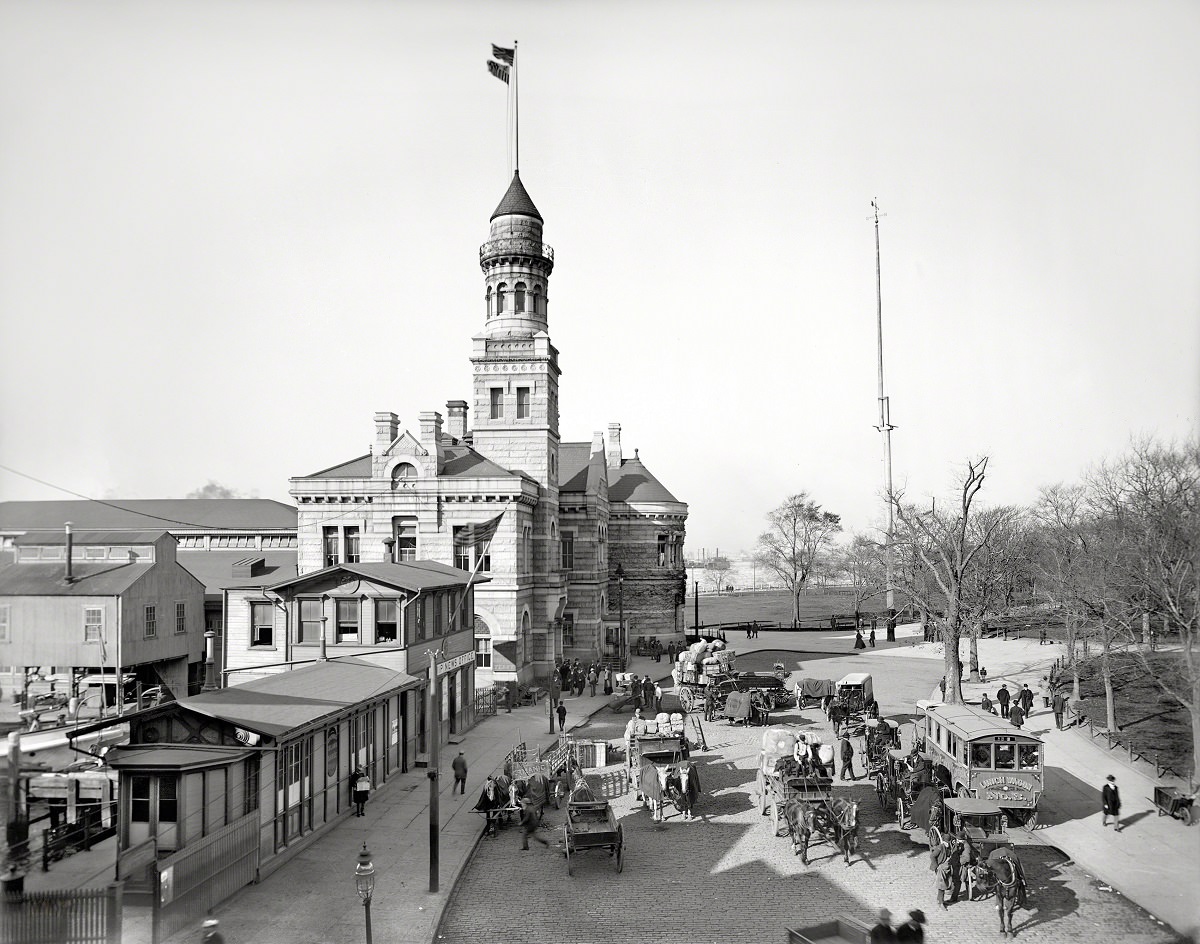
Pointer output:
x,y
770,606
1144,715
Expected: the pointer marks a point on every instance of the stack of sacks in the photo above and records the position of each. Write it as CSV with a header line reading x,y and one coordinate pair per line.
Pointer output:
x,y
677,727
639,728
825,752
777,742
651,727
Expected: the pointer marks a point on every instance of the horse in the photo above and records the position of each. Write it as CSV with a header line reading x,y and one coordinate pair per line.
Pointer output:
x,y
835,819
492,802
1010,886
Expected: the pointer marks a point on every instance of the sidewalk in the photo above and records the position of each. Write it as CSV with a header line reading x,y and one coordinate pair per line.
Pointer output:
x,y
1154,861
312,897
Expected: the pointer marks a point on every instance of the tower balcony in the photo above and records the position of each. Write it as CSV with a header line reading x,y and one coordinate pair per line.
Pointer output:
x,y
518,248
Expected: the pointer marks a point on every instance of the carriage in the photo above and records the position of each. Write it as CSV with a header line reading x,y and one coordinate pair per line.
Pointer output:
x,y
769,685
743,707
900,779
813,691
780,759
882,735
691,692
591,825
981,823
856,691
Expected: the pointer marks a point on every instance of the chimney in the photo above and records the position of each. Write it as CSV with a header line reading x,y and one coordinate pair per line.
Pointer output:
x,y
613,453
70,548
387,428
597,442
456,423
431,437
388,552
249,567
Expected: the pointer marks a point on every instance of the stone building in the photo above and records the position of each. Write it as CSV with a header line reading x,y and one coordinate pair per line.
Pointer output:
x,y
569,513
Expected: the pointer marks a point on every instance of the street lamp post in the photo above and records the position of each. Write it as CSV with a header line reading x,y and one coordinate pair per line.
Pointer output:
x,y
621,614
210,667
364,882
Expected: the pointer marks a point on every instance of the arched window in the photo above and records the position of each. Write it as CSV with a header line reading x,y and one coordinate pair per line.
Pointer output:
x,y
519,297
489,301
402,473
539,301
483,644
500,290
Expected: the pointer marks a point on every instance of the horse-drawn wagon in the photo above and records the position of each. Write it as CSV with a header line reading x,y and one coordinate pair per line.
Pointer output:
x,y
882,735
667,776
591,825
980,823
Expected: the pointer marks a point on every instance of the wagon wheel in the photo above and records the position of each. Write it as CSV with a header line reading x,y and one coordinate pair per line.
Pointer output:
x,y
935,837
963,792
685,698
620,850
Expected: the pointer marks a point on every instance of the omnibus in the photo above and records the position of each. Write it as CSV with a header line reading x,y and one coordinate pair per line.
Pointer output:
x,y
977,755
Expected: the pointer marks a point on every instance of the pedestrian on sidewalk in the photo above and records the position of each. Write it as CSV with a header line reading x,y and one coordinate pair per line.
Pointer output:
x,y
362,788
847,758
1110,798
1016,716
985,704
1026,697
592,680
1060,707
945,876
459,766
1044,690
942,686
562,717
658,695
1003,697
871,638
983,674
608,681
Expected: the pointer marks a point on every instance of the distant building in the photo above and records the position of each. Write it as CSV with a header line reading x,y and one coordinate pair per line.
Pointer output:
x,y
91,602
571,512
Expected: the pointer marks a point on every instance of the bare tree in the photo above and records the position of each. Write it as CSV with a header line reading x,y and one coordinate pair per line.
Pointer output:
x,y
942,548
716,569
990,587
1063,545
795,543
860,563
1149,505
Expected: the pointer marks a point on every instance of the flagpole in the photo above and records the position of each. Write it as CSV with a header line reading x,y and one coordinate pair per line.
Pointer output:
x,y
517,107
470,579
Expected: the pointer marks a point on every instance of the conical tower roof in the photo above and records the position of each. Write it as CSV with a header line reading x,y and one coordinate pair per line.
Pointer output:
x,y
516,200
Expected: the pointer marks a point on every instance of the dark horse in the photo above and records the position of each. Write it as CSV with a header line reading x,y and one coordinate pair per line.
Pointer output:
x,y
1004,869
836,820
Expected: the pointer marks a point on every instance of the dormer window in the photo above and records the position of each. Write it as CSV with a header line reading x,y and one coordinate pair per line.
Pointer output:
x,y
404,472
519,297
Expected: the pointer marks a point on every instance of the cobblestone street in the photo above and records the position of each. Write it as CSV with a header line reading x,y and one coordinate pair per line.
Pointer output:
x,y
725,878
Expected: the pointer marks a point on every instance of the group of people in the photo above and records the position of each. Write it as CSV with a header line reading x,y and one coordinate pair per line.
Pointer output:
x,y
909,931
858,638
647,694
574,677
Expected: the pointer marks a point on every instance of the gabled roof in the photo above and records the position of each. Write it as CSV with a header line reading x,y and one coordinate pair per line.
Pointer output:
x,y
50,579
573,466
285,701
52,538
516,200
412,575
634,483
214,569
460,461
174,514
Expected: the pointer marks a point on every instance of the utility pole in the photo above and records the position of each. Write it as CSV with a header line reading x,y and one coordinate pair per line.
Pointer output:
x,y
885,427
434,733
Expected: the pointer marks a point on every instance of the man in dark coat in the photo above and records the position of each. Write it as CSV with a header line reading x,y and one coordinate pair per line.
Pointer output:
x,y
1026,697
883,932
1059,703
911,932
1016,715
562,716
710,703
1002,699
847,751
529,823
1110,798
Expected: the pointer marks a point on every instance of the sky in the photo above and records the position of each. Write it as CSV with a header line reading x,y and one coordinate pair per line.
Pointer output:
x,y
231,232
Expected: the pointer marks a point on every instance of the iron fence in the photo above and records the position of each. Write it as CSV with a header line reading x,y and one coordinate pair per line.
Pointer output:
x,y
488,699
63,916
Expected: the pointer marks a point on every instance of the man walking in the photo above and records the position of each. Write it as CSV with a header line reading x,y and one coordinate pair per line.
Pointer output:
x,y
593,678
529,823
883,933
1110,798
1016,716
710,702
1060,706
1026,697
1002,699
459,766
562,717
847,751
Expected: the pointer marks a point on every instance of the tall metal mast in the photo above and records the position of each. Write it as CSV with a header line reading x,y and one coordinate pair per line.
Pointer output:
x,y
885,427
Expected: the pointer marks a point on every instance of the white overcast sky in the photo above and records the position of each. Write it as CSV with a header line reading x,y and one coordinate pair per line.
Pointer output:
x,y
232,231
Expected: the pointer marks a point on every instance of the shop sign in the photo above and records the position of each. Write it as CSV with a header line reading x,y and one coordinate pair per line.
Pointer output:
x,y
1006,790
444,668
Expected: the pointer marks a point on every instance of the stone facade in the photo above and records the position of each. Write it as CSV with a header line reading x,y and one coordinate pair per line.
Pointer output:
x,y
551,589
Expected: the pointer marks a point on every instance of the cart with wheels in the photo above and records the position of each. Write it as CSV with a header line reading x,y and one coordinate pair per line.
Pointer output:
x,y
591,824
1174,803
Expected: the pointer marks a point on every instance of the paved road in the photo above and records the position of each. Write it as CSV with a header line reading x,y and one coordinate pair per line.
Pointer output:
x,y
725,877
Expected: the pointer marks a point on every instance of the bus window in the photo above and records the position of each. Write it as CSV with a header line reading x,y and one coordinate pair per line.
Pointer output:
x,y
981,755
1006,756
1029,756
